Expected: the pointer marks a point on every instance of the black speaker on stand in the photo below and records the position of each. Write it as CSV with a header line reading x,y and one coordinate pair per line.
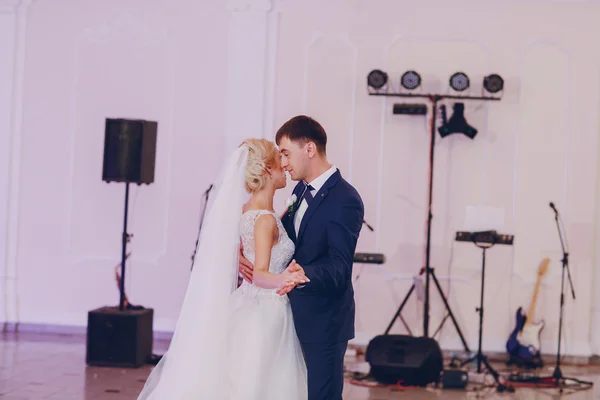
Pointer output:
x,y
122,336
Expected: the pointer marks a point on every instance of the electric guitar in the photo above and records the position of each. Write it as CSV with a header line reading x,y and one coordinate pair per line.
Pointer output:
x,y
524,341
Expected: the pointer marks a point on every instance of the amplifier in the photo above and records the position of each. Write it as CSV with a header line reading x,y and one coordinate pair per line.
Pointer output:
x,y
454,379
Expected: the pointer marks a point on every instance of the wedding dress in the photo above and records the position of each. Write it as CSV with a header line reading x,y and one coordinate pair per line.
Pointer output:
x,y
231,343
265,355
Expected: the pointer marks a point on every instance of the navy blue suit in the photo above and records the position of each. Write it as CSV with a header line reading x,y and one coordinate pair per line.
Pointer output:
x,y
324,308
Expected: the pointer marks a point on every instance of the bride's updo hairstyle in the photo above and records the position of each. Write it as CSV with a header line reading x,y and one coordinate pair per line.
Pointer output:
x,y
262,155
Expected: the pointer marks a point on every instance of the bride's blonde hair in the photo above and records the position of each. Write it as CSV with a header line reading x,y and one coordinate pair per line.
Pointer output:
x,y
262,155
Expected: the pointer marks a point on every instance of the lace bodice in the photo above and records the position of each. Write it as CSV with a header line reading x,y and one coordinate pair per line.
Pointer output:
x,y
281,253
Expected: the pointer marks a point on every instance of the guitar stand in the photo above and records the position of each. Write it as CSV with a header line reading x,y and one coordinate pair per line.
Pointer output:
x,y
480,357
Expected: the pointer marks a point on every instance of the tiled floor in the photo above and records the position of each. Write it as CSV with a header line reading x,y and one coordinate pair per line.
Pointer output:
x,y
42,366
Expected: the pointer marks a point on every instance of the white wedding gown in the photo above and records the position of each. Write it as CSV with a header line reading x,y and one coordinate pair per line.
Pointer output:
x,y
264,355
231,343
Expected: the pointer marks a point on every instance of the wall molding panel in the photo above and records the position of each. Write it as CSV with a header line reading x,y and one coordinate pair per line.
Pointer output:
x,y
13,27
216,72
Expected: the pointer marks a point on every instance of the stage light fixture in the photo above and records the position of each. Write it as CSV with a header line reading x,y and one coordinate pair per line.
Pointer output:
x,y
459,81
457,122
410,80
377,79
493,83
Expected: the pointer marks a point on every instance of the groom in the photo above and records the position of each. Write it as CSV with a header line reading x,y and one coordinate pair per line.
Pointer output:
x,y
324,224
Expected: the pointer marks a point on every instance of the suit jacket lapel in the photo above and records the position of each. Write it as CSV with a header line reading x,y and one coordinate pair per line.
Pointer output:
x,y
288,224
314,204
289,217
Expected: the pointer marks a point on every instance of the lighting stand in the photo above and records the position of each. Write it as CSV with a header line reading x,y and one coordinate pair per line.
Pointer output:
x,y
429,272
558,378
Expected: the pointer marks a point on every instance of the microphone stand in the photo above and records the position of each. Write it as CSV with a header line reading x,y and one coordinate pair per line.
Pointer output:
x,y
372,230
206,194
557,376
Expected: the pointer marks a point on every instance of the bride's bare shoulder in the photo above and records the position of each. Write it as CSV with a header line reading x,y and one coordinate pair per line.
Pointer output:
x,y
248,207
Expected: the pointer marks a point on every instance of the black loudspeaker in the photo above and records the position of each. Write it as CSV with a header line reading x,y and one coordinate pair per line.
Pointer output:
x,y
119,338
412,361
129,150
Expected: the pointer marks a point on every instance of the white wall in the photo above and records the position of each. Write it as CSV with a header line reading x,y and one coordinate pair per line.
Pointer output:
x,y
87,60
537,145
8,32
213,72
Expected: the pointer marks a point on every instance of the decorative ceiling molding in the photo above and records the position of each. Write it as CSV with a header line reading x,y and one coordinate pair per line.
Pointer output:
x,y
9,6
250,5
122,25
12,6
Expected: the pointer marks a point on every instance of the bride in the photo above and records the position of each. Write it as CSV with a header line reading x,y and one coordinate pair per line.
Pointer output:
x,y
239,343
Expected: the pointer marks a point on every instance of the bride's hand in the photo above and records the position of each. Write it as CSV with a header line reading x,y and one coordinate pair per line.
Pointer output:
x,y
293,276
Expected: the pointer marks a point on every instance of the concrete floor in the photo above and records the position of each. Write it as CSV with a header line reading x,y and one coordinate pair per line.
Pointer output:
x,y
49,366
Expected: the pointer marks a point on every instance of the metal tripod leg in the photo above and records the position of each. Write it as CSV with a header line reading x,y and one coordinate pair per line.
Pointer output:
x,y
439,288
460,334
399,310
439,328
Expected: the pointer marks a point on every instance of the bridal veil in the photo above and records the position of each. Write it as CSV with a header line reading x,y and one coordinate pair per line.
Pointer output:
x,y
193,366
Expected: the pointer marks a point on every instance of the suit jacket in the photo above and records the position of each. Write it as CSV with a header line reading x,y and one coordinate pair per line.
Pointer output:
x,y
324,308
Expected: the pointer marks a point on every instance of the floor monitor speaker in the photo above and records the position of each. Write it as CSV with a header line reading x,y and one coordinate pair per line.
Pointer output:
x,y
408,360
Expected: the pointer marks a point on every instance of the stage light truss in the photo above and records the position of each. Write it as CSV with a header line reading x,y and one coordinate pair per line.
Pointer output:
x,y
377,82
457,123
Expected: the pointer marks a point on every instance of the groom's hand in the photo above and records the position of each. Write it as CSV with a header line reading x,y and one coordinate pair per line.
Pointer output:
x,y
244,266
293,267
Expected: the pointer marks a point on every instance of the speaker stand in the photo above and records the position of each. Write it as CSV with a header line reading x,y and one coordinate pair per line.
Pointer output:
x,y
124,240
122,336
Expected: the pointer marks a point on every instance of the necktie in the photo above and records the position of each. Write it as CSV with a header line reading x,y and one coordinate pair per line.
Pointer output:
x,y
307,194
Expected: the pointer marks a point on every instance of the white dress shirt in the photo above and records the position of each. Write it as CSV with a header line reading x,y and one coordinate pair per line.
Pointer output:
x,y
316,184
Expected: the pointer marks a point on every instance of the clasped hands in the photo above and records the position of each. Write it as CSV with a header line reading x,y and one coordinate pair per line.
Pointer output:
x,y
292,276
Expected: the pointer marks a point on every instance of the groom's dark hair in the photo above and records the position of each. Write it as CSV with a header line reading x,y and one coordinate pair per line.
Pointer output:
x,y
303,129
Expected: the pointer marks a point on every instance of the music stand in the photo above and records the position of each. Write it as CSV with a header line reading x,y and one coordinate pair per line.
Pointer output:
x,y
484,240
